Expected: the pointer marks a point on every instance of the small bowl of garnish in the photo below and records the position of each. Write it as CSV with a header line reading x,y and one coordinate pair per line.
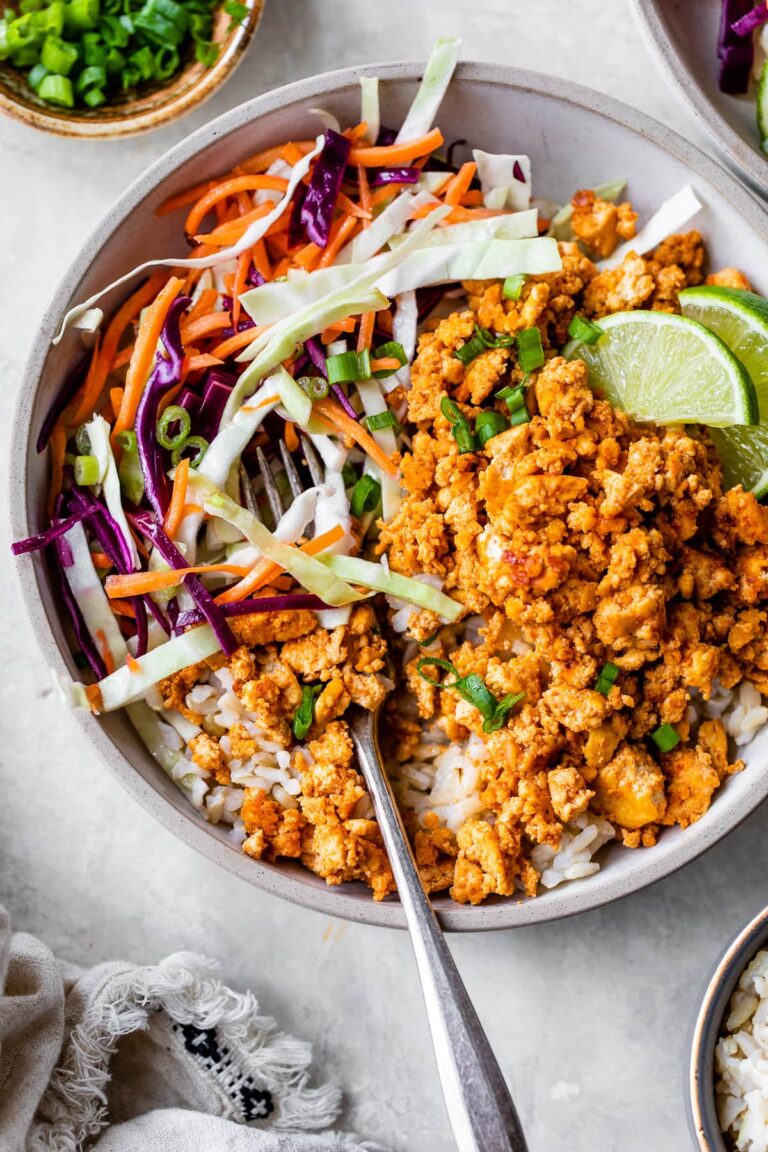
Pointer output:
x,y
728,1074
99,68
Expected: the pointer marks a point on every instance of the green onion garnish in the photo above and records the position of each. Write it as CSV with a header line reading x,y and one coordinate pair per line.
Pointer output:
x,y
129,469
530,353
605,680
584,330
236,11
349,475
86,470
206,52
366,495
82,14
482,340
665,738
474,690
174,414
520,416
346,367
305,714
488,425
36,75
315,386
57,90
95,76
58,56
198,443
462,433
390,350
513,287
381,420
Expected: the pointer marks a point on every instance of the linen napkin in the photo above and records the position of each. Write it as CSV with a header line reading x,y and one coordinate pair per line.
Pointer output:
x,y
158,1058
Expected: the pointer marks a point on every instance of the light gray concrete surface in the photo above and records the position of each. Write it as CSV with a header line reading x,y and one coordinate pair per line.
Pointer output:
x,y
589,1017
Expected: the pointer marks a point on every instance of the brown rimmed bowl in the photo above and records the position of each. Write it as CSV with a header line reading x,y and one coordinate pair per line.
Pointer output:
x,y
575,138
706,1031
142,110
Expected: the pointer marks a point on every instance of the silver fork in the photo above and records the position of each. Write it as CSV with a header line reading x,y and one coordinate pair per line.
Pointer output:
x,y
480,1109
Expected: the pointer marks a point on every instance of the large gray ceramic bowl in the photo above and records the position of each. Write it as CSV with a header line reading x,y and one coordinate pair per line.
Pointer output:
x,y
683,36
722,983
576,138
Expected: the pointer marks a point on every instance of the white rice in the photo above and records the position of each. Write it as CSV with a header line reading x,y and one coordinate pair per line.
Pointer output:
x,y
741,1061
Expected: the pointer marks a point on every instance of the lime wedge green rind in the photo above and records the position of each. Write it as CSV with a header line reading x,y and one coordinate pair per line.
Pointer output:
x,y
667,368
739,318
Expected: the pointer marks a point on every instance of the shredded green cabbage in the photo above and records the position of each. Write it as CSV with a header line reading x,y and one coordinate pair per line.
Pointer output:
x,y
437,77
126,685
376,577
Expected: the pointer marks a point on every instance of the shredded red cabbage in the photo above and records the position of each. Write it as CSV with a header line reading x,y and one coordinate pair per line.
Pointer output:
x,y
63,397
217,390
197,590
316,354
82,636
295,226
341,396
288,603
324,185
40,539
385,137
189,400
518,173
746,25
165,374
254,277
734,53
395,176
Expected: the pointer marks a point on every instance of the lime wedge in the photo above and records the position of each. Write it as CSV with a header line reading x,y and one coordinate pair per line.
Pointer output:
x,y
669,369
740,319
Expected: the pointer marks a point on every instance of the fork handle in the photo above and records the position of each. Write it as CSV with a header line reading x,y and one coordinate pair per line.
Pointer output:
x,y
480,1108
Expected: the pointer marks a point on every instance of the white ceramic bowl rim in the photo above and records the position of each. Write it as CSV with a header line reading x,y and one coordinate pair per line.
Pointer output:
x,y
740,152
567,900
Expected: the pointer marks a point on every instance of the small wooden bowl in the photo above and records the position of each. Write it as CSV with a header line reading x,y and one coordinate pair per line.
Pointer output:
x,y
143,109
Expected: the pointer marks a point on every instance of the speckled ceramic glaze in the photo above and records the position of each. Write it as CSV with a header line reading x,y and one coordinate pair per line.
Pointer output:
x,y
575,138
143,110
706,1030
683,36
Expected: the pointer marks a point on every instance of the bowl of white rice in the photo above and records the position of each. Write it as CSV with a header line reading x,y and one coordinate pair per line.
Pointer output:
x,y
728,1073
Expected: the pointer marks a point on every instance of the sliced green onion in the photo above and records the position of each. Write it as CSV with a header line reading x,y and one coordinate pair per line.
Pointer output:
x,y
381,420
665,738
437,662
31,5
237,11
346,367
482,340
475,691
36,74
519,416
462,433
113,32
163,22
174,414
530,353
488,425
305,714
94,52
391,350
114,61
92,77
52,18
94,97
206,53
196,442
129,469
513,287
83,440
605,680
503,708
166,62
82,14
349,475
144,61
57,55
86,470
584,330
366,495
315,386
57,90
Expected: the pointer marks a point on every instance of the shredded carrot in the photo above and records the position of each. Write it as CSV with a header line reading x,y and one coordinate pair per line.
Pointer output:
x,y
241,282
195,362
132,663
459,184
144,350
290,437
206,326
140,583
116,399
121,609
332,412
356,133
332,331
385,364
175,513
388,192
181,199
472,199
236,342
261,260
101,560
228,188
365,334
341,232
104,650
92,389
265,403
365,194
384,320
94,697
282,267
231,231
188,509
351,209
123,357
202,306
291,153
58,443
393,154
267,570
308,257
